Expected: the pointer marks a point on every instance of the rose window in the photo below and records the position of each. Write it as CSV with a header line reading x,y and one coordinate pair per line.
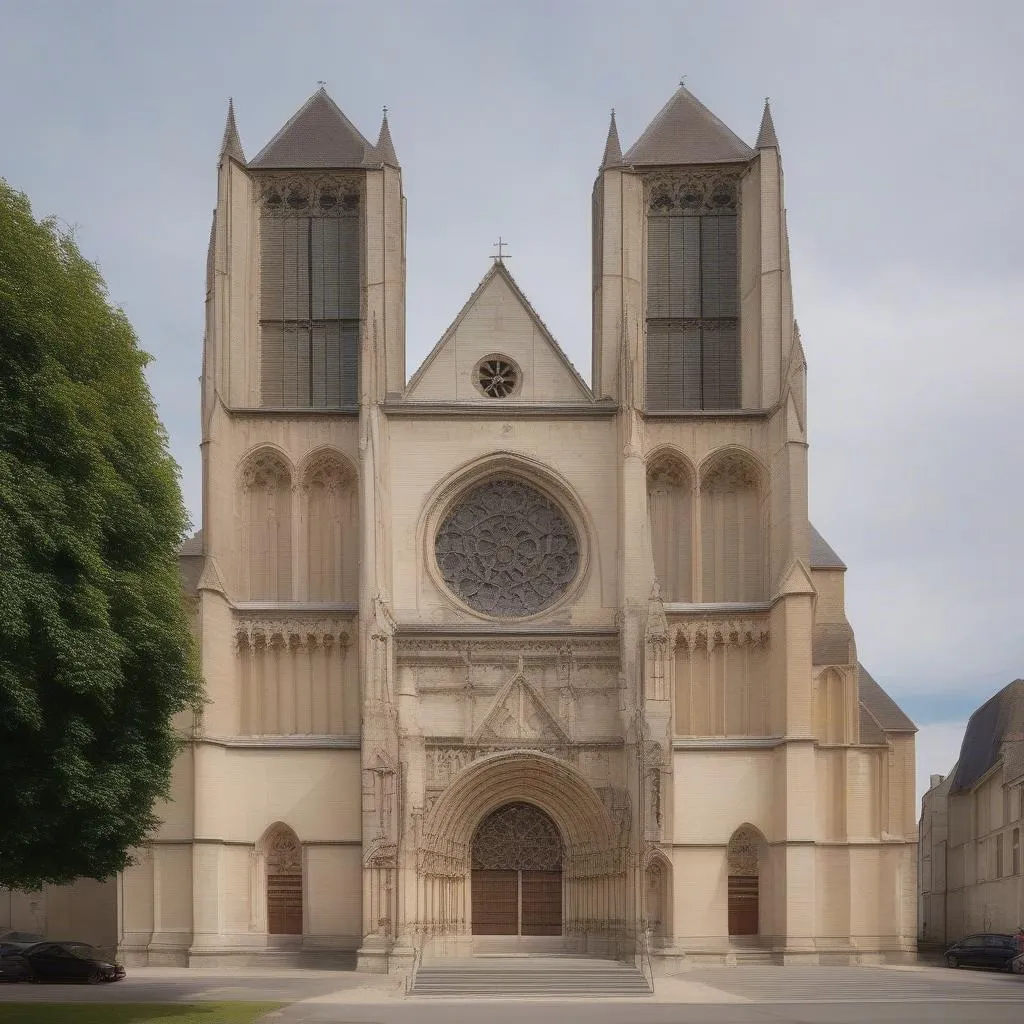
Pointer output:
x,y
507,550
497,377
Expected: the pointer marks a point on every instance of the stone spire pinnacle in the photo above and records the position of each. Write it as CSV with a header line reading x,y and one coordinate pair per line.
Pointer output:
x,y
612,150
385,147
766,137
231,144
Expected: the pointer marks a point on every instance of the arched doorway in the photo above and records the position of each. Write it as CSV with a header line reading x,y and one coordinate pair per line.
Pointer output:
x,y
284,881
744,855
517,873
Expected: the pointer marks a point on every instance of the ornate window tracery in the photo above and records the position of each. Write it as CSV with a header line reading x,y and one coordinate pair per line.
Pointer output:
x,y
517,837
507,550
497,377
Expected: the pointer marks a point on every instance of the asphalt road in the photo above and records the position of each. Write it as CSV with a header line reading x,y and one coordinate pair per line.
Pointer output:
x,y
708,995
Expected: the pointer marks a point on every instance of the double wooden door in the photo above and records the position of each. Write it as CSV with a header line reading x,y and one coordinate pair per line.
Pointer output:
x,y
517,902
744,905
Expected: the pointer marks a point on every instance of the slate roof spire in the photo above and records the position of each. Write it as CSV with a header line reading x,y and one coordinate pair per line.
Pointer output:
x,y
385,148
766,137
231,145
686,132
612,150
317,135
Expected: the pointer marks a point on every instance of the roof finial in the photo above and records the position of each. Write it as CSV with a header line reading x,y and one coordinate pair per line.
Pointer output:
x,y
682,81
500,246
766,138
612,150
322,83
231,145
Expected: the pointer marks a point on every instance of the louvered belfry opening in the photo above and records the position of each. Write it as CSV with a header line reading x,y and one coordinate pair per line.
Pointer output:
x,y
693,343
309,292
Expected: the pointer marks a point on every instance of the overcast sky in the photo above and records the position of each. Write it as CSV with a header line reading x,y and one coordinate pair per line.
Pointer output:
x,y
901,136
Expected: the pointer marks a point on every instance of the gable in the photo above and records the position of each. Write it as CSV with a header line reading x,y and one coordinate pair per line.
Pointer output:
x,y
520,714
498,321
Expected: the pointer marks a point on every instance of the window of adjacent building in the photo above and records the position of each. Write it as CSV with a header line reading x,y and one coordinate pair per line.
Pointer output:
x,y
1015,852
693,347
999,856
309,297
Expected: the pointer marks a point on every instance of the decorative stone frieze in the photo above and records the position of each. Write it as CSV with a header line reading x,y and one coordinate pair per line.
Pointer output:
x,y
714,632
295,631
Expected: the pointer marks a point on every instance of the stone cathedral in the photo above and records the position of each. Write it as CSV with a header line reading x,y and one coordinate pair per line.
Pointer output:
x,y
497,659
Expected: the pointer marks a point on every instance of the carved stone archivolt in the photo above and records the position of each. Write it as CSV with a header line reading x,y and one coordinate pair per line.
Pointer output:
x,y
693,192
711,633
743,850
284,853
265,470
507,550
291,632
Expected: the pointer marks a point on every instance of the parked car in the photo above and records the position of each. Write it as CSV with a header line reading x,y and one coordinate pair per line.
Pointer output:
x,y
57,961
988,949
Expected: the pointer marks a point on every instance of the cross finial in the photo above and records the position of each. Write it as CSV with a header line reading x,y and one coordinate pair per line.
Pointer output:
x,y
321,83
682,81
500,246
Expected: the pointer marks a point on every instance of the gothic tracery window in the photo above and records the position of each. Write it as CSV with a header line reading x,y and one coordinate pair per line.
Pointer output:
x,y
517,836
506,549
732,532
669,500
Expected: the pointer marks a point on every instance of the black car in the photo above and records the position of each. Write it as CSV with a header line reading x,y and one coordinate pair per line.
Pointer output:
x,y
988,949
57,961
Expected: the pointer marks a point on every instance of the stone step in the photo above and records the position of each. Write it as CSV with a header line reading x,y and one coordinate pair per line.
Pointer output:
x,y
525,976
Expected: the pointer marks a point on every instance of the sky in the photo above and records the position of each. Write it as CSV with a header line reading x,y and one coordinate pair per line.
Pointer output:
x,y
900,133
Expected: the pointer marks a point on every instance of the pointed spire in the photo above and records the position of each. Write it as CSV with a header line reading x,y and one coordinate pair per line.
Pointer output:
x,y
766,137
612,150
385,147
231,144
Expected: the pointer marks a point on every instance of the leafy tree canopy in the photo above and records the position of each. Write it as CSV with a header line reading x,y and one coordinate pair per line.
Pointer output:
x,y
96,655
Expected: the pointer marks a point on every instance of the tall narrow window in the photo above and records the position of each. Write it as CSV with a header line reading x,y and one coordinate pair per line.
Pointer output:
x,y
732,550
332,532
309,296
693,353
265,501
669,500
1015,853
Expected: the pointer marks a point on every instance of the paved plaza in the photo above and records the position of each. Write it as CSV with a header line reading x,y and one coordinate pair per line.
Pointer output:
x,y
702,995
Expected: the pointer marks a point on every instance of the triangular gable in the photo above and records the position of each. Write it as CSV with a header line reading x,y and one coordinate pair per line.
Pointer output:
x,y
519,714
498,320
317,135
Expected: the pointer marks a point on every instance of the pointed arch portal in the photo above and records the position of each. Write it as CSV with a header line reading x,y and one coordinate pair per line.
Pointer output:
x,y
517,873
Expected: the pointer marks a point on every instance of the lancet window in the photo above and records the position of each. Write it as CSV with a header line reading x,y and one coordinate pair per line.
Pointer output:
x,y
309,293
693,349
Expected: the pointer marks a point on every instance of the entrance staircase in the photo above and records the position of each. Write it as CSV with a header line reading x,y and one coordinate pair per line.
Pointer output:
x,y
531,976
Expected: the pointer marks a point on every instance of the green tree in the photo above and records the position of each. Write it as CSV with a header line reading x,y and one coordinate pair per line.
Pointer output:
x,y
96,655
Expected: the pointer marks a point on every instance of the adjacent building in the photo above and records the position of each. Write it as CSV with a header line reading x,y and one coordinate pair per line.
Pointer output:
x,y
971,869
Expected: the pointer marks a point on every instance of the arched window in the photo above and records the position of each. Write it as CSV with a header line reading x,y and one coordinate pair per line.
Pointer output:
x,y
732,545
266,521
332,529
669,502
283,853
745,853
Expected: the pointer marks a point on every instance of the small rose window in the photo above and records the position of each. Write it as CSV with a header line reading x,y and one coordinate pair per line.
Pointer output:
x,y
497,376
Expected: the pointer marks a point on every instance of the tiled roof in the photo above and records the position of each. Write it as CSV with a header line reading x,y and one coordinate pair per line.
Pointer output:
x,y
831,643
686,132
885,711
318,135
822,555
995,730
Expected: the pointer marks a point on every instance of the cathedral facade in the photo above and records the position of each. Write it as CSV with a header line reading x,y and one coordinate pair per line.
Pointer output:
x,y
496,659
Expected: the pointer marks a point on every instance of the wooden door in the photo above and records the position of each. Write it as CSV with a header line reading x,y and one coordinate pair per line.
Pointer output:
x,y
743,905
284,904
495,902
541,902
